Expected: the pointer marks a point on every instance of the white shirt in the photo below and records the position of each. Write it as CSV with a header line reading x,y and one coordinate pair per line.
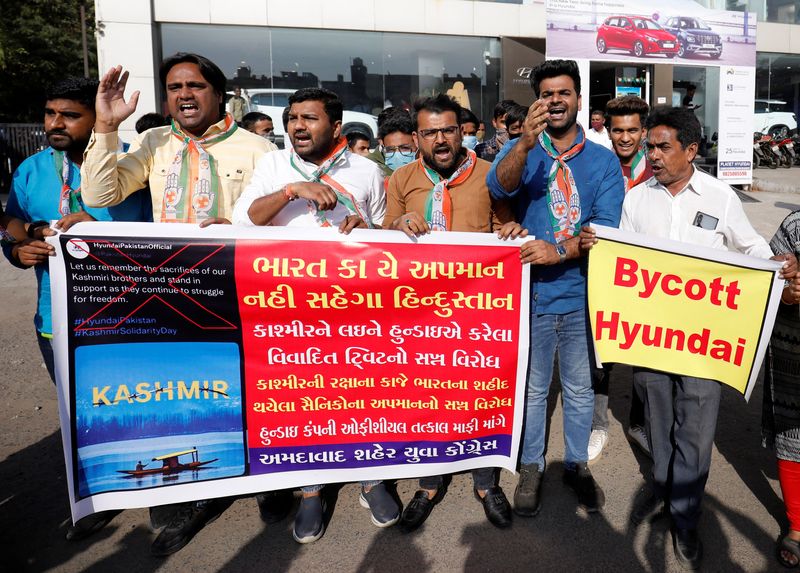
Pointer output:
x,y
649,208
358,175
599,137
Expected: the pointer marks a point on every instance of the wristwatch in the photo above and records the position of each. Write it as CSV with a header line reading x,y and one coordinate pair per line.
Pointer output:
x,y
562,253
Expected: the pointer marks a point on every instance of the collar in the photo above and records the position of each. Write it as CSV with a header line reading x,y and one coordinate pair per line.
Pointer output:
x,y
213,129
693,185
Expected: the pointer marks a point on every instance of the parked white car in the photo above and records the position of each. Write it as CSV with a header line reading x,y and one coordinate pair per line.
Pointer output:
x,y
273,101
773,117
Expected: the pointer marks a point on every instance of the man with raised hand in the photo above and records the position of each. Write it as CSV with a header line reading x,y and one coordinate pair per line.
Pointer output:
x,y
319,182
560,181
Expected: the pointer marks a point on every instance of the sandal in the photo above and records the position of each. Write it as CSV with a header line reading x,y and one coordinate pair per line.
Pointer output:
x,y
790,546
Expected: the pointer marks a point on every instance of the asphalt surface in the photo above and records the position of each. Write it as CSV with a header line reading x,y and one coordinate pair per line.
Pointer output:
x,y
743,512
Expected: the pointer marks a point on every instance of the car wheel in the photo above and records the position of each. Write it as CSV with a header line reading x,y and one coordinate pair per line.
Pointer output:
x,y
638,49
601,45
756,161
681,50
779,132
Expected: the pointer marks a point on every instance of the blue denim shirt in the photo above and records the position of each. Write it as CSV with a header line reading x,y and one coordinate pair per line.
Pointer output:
x,y
561,288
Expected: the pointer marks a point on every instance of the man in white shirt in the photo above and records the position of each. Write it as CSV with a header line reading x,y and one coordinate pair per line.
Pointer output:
x,y
683,204
319,182
597,132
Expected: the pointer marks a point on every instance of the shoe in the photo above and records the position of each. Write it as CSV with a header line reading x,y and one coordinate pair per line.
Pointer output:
x,y
638,437
90,524
496,506
382,506
527,496
418,509
597,441
273,506
309,522
688,547
590,495
188,520
647,507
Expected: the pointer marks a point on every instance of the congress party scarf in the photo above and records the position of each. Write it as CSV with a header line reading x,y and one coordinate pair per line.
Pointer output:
x,y
564,203
69,199
438,205
192,191
320,175
638,168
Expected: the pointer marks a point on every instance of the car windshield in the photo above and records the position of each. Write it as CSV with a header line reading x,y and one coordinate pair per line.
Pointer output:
x,y
273,99
695,24
643,24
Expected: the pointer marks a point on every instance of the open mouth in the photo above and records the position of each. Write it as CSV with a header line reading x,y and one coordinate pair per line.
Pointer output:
x,y
301,139
557,113
188,109
442,154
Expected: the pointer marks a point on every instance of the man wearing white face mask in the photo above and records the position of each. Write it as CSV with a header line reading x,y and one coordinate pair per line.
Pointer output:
x,y
469,129
489,149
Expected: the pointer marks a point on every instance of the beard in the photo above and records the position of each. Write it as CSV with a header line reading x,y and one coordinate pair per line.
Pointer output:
x,y
62,141
444,168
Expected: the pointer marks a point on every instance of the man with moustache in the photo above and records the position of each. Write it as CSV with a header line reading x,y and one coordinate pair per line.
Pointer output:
x,y
560,181
202,140
164,157
627,116
47,186
454,173
319,182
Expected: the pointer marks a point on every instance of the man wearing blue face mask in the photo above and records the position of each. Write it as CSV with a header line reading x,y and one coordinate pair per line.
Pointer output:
x,y
488,150
397,147
469,129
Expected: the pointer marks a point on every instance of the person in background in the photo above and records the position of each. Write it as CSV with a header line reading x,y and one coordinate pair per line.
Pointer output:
x,y
149,121
481,131
260,124
515,118
237,105
397,146
487,150
597,132
469,129
358,143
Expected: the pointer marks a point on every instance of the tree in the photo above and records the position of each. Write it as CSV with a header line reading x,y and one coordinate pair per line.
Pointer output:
x,y
40,43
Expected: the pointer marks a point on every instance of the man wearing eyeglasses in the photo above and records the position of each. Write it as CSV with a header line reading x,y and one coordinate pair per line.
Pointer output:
x,y
450,171
397,147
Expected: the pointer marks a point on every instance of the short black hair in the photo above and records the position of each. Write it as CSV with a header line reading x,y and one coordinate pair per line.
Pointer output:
x,y
518,113
149,121
208,69
354,136
440,103
250,119
468,117
597,112
628,105
680,119
330,100
553,69
502,108
82,90
394,119
285,118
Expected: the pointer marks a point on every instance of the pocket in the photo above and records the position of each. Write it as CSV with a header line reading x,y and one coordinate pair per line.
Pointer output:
x,y
703,237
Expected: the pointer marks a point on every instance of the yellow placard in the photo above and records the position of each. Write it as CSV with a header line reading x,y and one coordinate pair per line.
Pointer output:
x,y
679,313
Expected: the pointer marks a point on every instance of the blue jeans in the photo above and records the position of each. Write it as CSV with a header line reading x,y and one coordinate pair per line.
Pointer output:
x,y
567,334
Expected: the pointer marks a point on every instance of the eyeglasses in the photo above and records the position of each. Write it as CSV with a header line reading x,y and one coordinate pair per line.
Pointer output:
x,y
449,132
404,150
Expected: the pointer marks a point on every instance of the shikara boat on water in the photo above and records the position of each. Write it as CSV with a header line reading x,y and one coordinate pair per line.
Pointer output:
x,y
171,464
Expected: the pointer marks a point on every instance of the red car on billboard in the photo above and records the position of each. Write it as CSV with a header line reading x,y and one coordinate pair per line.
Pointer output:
x,y
637,35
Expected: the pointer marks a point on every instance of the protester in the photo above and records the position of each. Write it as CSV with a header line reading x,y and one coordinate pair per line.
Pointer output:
x,y
560,181
780,425
628,114
260,124
318,183
681,411
46,187
149,121
237,105
487,150
515,118
597,132
447,168
358,143
396,144
469,129
481,131
200,132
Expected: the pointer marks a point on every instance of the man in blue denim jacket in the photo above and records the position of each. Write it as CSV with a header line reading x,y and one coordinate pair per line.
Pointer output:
x,y
559,182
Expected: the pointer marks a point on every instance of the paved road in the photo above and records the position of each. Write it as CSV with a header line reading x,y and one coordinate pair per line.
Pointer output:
x,y
743,511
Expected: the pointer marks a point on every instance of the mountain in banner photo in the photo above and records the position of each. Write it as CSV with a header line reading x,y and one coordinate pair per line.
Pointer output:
x,y
154,414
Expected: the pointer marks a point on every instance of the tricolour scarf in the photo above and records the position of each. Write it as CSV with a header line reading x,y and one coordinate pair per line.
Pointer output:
x,y
438,205
564,203
69,199
638,169
320,175
192,191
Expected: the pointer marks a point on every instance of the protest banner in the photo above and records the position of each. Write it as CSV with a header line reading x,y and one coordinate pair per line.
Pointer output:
x,y
196,363
681,308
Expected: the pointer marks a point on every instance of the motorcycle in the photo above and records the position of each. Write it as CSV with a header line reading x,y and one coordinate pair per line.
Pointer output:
x,y
787,156
763,154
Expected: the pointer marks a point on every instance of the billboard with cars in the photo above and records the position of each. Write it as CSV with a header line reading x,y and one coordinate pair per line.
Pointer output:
x,y
681,31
